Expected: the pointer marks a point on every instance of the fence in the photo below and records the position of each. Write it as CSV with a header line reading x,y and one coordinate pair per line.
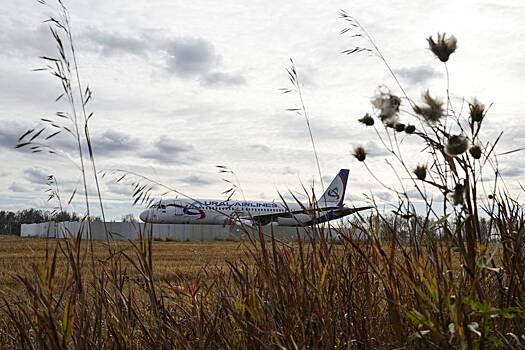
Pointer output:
x,y
175,232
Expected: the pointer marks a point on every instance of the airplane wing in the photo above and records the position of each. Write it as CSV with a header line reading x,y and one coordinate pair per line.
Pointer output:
x,y
264,219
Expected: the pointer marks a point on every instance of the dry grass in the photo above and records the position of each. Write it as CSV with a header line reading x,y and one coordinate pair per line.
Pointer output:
x,y
414,279
171,259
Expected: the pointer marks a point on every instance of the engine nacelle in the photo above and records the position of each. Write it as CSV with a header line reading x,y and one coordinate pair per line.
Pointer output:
x,y
230,221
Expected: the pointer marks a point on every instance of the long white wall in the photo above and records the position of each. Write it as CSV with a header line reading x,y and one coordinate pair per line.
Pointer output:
x,y
127,230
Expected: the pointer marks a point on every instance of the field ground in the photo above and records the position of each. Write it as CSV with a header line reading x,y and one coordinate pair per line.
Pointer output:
x,y
18,255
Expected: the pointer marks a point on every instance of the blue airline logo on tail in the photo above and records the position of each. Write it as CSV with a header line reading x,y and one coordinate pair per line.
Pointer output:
x,y
334,193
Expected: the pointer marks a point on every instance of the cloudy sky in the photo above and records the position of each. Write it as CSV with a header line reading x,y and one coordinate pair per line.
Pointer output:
x,y
180,87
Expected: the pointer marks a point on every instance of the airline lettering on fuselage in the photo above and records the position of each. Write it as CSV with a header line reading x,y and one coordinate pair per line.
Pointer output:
x,y
236,204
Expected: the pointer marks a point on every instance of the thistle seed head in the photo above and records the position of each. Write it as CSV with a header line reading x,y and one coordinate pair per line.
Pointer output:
x,y
367,120
475,152
400,127
410,129
456,145
360,153
387,104
477,110
432,109
442,47
457,196
421,172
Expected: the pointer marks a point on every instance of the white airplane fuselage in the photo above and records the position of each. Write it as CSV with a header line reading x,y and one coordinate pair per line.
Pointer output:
x,y
221,212
214,211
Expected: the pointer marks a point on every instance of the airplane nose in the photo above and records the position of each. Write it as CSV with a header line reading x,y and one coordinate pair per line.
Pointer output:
x,y
144,215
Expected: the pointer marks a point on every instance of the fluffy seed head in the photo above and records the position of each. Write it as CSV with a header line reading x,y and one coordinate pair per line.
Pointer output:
x,y
442,47
387,104
367,120
475,152
477,110
421,172
410,129
457,196
456,145
360,153
432,109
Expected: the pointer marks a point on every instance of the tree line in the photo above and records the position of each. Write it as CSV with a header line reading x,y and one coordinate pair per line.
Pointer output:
x,y
10,221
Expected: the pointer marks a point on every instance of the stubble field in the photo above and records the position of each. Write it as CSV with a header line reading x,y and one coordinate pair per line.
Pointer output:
x,y
171,259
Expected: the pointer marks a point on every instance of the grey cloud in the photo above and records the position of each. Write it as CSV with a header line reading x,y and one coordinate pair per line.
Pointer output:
x,y
108,143
289,171
384,196
322,128
327,179
16,187
511,172
37,175
113,141
185,57
169,150
374,150
418,75
33,42
9,135
223,78
114,43
262,148
196,180
189,56
120,189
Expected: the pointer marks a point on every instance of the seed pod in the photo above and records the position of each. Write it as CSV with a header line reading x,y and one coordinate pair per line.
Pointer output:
x,y
475,152
421,172
399,127
443,47
431,110
367,120
458,195
410,129
360,153
456,145
477,110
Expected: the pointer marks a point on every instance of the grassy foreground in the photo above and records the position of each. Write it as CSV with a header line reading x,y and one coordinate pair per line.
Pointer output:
x,y
171,259
430,278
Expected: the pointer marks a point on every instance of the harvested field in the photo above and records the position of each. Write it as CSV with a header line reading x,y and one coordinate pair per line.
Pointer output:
x,y
18,255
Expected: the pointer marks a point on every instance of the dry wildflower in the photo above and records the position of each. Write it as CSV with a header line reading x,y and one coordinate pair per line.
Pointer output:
x,y
456,145
443,47
399,127
477,110
456,197
367,120
432,109
410,129
421,172
388,106
360,153
475,152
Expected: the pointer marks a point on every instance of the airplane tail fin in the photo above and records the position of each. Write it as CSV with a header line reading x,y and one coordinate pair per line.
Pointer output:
x,y
335,193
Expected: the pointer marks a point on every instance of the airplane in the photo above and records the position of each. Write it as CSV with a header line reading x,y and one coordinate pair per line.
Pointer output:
x,y
253,213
